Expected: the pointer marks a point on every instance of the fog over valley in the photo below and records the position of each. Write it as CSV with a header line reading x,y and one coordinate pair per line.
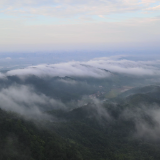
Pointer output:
x,y
79,80
88,105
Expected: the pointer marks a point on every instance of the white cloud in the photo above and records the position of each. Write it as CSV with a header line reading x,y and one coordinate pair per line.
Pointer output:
x,y
62,70
94,68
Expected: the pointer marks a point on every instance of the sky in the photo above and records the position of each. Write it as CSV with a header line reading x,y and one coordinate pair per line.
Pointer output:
x,y
49,25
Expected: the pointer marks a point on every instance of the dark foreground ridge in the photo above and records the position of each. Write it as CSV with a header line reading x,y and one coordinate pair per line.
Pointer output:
x,y
125,129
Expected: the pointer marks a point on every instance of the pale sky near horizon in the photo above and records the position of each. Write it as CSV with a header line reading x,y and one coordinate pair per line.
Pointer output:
x,y
27,25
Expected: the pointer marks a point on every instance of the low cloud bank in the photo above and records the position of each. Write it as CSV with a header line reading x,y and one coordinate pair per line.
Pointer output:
x,y
26,101
96,68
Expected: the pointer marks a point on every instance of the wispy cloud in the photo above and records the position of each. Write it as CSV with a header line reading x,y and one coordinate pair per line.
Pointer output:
x,y
146,119
156,8
24,100
70,8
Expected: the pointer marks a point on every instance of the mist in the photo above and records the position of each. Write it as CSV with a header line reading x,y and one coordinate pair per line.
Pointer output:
x,y
25,101
34,91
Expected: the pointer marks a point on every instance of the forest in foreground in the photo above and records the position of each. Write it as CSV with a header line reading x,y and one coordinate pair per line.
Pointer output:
x,y
81,111
124,127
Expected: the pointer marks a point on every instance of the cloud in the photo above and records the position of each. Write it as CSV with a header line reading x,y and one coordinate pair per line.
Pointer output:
x,y
8,58
24,100
64,8
80,22
2,76
123,66
96,68
157,8
73,69
92,107
146,119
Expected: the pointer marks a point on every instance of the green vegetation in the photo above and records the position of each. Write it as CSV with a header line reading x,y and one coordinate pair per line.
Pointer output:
x,y
125,127
20,139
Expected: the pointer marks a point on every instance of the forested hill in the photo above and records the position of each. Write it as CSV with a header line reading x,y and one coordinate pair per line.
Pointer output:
x,y
23,140
126,129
